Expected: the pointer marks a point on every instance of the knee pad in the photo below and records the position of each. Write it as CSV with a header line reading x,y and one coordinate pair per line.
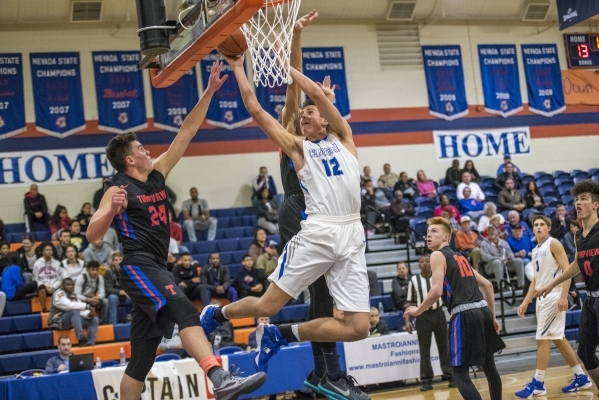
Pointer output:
x,y
588,357
183,313
143,354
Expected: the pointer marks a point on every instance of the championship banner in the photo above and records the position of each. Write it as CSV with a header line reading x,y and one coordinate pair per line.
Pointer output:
x,y
119,91
543,79
12,103
272,99
581,87
387,358
571,12
319,62
57,93
226,109
180,379
172,104
445,81
481,144
501,82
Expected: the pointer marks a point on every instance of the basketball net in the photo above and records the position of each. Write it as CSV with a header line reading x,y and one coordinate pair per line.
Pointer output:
x,y
268,35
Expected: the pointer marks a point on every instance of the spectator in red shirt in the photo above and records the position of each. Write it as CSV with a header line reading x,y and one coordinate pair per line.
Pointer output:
x,y
59,220
446,206
177,233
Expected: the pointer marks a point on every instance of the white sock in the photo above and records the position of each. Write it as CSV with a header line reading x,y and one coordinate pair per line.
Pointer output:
x,y
222,310
540,375
577,369
295,330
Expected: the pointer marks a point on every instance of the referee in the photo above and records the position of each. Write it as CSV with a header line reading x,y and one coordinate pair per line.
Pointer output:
x,y
429,322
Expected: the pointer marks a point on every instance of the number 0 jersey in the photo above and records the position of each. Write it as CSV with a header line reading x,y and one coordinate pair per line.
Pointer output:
x,y
330,178
545,266
144,225
587,249
459,285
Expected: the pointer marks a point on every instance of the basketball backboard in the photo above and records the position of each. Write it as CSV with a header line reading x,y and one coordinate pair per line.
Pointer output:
x,y
201,26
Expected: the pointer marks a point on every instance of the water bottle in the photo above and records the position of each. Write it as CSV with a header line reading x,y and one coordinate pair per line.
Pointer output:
x,y
381,309
122,359
98,363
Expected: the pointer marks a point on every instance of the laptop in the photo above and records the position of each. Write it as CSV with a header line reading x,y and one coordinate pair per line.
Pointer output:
x,y
81,362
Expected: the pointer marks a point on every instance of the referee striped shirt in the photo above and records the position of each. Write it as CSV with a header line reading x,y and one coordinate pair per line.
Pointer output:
x,y
418,289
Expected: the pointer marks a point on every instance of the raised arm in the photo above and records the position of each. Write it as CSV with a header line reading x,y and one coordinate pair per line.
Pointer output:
x,y
167,160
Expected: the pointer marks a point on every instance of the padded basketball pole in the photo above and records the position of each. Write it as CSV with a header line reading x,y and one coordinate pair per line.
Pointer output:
x,y
153,35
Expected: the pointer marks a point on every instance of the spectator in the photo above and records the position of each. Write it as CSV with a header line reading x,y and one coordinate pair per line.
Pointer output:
x,y
446,206
59,220
2,302
174,345
430,322
468,242
498,255
36,209
489,211
533,197
469,167
425,186
223,334
64,241
263,181
373,283
399,286
508,174
559,223
268,261
388,180
85,214
374,204
77,238
197,217
71,266
453,175
468,205
114,291
252,343
187,277
570,241
4,250
378,326
267,211
215,281
507,158
367,176
496,222
68,312
475,190
98,194
60,362
12,281
250,281
98,251
406,185
514,221
111,238
91,289
175,230
509,198
28,254
2,231
520,245
46,272
401,211
258,246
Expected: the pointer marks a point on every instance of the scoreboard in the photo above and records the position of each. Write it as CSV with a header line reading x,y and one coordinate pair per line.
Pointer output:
x,y
582,50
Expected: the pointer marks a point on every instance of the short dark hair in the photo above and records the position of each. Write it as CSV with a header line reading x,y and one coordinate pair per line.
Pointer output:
x,y
44,245
66,279
543,218
64,231
63,337
118,149
517,227
185,253
92,264
308,102
246,256
14,258
586,186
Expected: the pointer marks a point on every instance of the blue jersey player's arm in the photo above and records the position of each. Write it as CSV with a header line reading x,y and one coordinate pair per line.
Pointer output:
x,y
167,160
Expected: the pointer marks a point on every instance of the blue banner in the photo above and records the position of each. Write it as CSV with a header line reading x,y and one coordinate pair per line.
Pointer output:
x,y
119,91
12,103
501,81
571,12
172,104
226,109
272,99
445,81
319,62
57,93
543,79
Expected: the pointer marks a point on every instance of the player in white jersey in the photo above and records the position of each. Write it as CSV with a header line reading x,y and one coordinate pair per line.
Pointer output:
x,y
331,241
549,259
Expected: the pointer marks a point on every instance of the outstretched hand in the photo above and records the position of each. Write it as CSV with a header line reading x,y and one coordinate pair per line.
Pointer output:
x,y
216,81
327,88
305,20
543,292
236,61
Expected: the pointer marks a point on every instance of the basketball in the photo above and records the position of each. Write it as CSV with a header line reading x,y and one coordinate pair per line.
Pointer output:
x,y
234,45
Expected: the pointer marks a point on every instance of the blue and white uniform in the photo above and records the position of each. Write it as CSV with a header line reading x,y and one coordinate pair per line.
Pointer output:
x,y
331,241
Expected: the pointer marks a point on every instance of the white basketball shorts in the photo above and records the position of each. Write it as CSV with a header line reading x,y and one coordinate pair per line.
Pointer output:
x,y
329,246
551,323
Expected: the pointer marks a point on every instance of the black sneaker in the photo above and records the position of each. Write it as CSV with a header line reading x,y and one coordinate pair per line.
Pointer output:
x,y
426,387
82,341
345,388
234,386
312,382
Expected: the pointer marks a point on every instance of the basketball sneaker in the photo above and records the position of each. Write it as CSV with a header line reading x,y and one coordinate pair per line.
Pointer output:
x,y
234,386
269,340
209,324
312,381
534,388
345,388
580,382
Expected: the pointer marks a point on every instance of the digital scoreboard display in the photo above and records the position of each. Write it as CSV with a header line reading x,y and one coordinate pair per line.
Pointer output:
x,y
582,50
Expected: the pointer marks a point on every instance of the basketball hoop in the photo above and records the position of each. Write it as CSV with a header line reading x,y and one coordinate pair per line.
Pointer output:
x,y
268,35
